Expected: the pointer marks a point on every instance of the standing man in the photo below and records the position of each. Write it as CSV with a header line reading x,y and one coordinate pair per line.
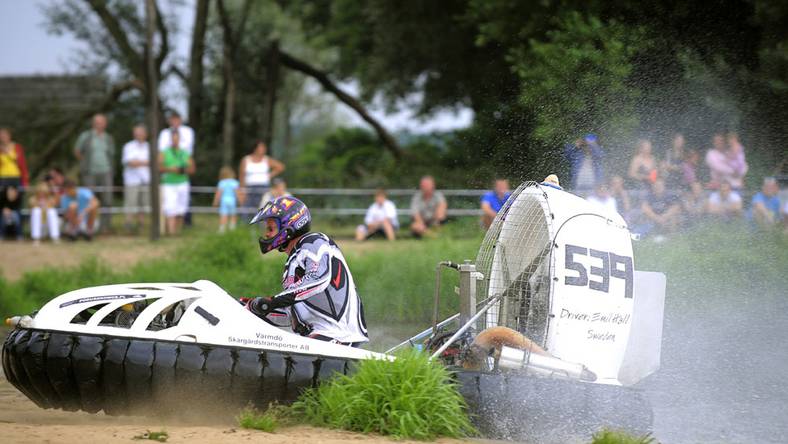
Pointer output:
x,y
185,142
95,151
136,178
185,134
492,201
428,208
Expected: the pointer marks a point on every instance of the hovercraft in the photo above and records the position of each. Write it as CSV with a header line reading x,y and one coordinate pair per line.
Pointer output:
x,y
147,348
556,329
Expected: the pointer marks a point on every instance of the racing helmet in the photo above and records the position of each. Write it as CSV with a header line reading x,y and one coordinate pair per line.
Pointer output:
x,y
289,218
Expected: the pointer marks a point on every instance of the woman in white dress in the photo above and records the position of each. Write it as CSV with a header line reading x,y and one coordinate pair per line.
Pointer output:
x,y
255,174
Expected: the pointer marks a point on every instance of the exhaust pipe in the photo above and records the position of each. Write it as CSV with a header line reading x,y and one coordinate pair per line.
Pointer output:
x,y
543,365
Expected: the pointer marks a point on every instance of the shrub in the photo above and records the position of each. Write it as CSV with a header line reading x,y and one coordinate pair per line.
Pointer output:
x,y
409,398
267,421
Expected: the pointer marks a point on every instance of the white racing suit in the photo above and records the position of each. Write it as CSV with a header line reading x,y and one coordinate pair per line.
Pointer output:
x,y
320,292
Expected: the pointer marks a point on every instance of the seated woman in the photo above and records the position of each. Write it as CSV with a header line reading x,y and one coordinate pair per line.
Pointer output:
x,y
643,166
43,207
381,219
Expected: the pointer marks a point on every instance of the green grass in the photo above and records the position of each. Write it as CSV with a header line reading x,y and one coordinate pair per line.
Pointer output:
x,y
395,280
269,420
409,398
607,436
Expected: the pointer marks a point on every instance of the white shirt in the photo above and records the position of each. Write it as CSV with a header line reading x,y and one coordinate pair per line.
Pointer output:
x,y
715,198
608,204
378,213
133,176
185,142
257,173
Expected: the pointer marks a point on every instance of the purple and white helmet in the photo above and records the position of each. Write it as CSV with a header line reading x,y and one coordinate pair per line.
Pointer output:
x,y
292,220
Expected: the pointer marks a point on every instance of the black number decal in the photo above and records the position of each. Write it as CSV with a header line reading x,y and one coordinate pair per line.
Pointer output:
x,y
625,274
603,272
569,261
613,266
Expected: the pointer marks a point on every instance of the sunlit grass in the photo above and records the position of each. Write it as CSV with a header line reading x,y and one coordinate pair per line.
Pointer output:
x,y
410,398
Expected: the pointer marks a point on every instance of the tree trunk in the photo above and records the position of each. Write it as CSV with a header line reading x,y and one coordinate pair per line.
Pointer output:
x,y
195,81
152,107
272,82
228,125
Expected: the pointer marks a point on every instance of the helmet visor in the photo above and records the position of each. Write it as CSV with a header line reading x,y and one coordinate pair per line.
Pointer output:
x,y
269,228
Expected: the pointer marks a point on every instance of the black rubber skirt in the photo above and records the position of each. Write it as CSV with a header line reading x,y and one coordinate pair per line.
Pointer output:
x,y
75,371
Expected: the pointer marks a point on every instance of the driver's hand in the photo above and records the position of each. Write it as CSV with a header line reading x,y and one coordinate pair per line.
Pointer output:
x,y
260,306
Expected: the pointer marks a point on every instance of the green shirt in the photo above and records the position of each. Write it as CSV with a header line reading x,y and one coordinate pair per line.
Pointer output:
x,y
175,158
97,150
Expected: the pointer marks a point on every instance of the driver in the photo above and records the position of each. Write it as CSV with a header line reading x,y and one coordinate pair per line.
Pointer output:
x,y
318,287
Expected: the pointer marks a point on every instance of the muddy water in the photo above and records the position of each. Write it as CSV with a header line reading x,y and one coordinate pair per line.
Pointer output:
x,y
724,375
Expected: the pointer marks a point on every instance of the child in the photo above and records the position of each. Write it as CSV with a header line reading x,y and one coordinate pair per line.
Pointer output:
x,y
10,218
43,206
226,198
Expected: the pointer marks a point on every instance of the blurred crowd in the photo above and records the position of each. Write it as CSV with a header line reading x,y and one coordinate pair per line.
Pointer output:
x,y
656,195
662,195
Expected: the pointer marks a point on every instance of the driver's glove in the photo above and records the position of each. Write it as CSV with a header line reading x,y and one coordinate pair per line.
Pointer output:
x,y
261,306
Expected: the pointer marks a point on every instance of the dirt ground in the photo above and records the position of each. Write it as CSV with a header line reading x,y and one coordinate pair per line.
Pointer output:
x,y
118,252
21,421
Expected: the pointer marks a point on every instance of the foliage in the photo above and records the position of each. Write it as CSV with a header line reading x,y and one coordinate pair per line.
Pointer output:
x,y
409,398
607,436
576,81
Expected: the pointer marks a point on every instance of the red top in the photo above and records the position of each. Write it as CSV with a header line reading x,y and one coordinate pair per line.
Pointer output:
x,y
24,176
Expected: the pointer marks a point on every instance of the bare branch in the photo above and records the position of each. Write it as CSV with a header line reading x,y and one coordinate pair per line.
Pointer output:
x,y
164,47
73,126
303,67
131,57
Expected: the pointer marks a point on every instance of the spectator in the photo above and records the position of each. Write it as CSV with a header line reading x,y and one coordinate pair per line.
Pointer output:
x,y
185,134
278,189
136,177
13,167
226,198
55,179
724,203
674,162
689,168
95,150
427,208
766,204
80,210
10,212
492,201
43,208
186,141
643,166
255,173
726,164
620,194
694,202
602,199
585,157
661,210
785,219
176,165
381,219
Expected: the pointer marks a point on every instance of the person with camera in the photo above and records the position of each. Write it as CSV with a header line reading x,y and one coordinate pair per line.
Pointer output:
x,y
175,165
